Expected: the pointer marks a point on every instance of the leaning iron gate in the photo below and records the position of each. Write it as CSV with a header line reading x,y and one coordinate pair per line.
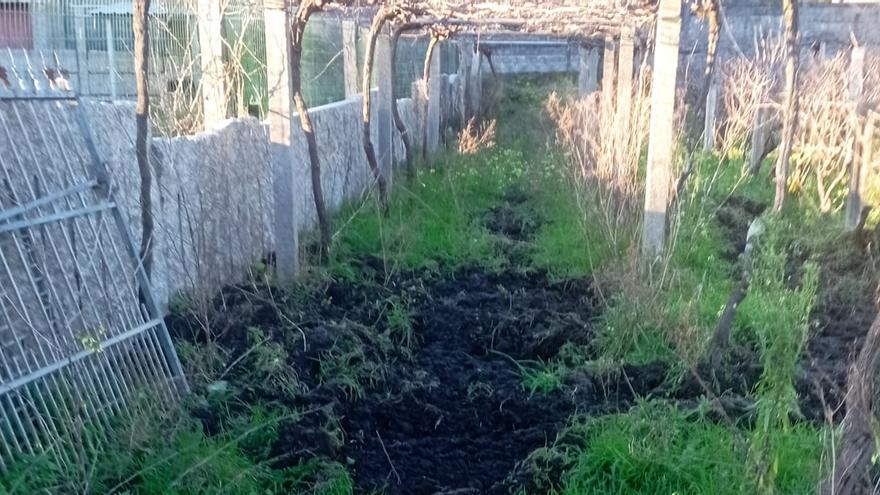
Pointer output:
x,y
81,339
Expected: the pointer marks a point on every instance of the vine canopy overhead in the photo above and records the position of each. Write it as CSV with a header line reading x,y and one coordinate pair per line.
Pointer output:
x,y
569,18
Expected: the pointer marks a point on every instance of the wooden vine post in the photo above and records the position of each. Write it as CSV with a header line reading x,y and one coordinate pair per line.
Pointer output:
x,y
396,31
298,28
385,14
431,129
790,100
709,91
140,26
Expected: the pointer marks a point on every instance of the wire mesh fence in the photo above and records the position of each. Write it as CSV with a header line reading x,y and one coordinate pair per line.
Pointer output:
x,y
80,336
92,41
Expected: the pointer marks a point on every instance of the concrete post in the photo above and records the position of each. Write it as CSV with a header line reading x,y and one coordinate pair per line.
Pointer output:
x,y
661,141
476,82
210,20
760,128
432,113
462,71
860,161
588,76
82,54
859,169
626,54
277,19
711,116
384,119
111,56
349,58
609,68
856,73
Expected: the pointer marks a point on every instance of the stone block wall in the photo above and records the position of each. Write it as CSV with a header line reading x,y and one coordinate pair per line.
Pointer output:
x,y
212,191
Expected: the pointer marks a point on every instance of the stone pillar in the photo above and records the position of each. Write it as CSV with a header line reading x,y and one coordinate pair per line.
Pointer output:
x,y
588,76
661,141
711,116
280,117
210,20
349,58
82,53
609,68
626,54
384,119
861,159
432,113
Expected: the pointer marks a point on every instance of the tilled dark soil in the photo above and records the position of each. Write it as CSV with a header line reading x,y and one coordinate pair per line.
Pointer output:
x,y
414,379
845,307
440,409
447,413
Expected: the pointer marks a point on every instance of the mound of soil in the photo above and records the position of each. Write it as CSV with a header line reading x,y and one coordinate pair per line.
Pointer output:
x,y
845,308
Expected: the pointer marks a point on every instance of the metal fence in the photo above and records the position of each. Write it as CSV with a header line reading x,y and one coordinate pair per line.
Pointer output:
x,y
80,336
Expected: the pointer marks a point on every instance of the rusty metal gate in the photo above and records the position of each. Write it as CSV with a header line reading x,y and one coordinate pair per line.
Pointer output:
x,y
81,339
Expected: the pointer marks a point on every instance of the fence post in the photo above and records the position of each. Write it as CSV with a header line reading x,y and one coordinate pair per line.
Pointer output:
x,y
588,81
609,68
349,58
277,19
661,141
82,54
861,158
210,20
111,56
384,119
432,112
711,115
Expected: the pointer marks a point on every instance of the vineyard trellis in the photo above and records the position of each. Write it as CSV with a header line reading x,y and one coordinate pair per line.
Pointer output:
x,y
81,338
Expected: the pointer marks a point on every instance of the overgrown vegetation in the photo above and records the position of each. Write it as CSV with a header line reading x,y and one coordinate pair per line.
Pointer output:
x,y
293,385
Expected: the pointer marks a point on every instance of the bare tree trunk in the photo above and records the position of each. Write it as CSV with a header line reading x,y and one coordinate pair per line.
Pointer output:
x,y
398,122
489,103
382,16
712,13
140,26
305,10
851,468
790,100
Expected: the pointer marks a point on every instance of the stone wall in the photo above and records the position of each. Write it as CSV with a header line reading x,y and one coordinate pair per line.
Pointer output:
x,y
824,28
212,191
748,20
532,57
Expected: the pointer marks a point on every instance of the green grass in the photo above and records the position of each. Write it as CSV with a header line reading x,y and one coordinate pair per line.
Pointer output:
x,y
543,377
658,449
169,453
435,223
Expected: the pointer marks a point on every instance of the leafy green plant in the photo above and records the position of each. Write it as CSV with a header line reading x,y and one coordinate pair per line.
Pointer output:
x,y
778,308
